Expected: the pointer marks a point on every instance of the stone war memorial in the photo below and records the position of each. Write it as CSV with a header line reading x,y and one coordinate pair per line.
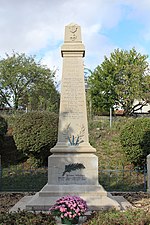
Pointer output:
x,y
73,166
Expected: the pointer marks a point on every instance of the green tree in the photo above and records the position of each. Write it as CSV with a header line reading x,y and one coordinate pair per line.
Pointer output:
x,y
119,80
42,96
22,79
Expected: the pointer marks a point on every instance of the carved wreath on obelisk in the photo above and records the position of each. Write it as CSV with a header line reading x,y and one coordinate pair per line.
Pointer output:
x,y
73,30
74,139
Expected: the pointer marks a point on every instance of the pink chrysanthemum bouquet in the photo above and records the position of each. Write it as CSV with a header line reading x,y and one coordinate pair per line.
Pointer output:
x,y
69,208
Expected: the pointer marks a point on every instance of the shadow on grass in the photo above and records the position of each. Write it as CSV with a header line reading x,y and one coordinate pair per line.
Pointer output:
x,y
14,179
32,180
9,153
114,181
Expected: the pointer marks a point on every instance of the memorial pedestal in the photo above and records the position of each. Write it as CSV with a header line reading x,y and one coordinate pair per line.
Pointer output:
x,y
73,174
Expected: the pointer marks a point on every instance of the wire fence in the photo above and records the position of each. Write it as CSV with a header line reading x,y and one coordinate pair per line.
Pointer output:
x,y
124,178
20,179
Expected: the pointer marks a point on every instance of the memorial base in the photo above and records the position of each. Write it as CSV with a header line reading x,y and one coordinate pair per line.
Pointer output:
x,y
72,174
95,196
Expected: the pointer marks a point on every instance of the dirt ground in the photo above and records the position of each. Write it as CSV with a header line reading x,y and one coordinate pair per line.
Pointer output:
x,y
8,200
137,199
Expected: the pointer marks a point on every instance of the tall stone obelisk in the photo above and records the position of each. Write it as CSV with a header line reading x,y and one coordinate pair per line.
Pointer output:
x,y
73,166
73,128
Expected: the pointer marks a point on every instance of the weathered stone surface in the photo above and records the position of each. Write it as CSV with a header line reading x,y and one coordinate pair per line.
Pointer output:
x,y
73,128
73,168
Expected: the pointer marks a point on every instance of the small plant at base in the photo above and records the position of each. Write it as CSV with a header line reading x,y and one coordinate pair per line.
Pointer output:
x,y
69,208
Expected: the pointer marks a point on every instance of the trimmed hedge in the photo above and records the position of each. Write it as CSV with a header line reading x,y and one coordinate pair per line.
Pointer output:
x,y
35,133
135,139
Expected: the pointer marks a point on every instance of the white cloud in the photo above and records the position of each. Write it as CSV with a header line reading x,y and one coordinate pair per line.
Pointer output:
x,y
30,24
54,61
35,26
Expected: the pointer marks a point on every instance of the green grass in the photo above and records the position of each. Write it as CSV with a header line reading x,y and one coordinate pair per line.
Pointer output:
x,y
110,156
111,217
107,143
122,181
17,179
105,140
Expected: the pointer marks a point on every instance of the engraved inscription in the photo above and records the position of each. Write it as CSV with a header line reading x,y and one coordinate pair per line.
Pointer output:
x,y
72,101
72,179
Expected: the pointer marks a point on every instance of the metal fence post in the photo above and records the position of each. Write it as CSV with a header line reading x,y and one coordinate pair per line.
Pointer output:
x,y
148,173
0,174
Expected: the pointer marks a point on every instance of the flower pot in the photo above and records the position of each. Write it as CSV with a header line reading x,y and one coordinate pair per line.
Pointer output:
x,y
70,221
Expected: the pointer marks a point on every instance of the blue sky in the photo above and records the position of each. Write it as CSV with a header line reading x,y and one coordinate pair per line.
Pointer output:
x,y
37,27
125,33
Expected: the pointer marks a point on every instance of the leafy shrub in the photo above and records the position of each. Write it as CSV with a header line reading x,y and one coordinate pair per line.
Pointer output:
x,y
10,154
3,130
26,218
35,133
135,139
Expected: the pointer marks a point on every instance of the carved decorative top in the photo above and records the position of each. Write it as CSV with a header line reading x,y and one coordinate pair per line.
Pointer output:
x,y
73,28
73,33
